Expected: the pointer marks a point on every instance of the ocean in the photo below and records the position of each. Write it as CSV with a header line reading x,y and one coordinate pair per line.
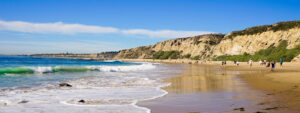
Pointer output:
x,y
31,85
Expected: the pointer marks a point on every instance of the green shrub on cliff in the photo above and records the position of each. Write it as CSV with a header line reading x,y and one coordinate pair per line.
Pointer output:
x,y
166,55
196,58
187,56
175,55
271,53
259,29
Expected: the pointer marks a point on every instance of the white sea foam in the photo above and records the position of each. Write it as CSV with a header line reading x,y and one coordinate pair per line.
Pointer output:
x,y
41,70
116,89
143,66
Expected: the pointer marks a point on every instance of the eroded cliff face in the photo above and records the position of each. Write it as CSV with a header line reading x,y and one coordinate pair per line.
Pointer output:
x,y
144,52
210,46
99,56
253,43
201,46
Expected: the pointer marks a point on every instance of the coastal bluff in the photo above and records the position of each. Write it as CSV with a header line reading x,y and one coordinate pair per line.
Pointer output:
x,y
210,46
95,56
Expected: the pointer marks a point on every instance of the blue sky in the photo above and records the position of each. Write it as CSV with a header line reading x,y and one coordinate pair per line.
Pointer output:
x,y
93,26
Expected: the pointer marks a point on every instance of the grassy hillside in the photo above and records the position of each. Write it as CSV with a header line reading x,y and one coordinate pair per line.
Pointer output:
x,y
271,53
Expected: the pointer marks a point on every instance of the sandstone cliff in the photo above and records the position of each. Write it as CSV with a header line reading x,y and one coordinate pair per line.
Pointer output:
x,y
209,46
195,46
252,43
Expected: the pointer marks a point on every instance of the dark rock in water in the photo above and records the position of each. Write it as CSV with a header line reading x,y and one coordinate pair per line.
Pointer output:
x,y
272,108
23,102
65,85
81,101
240,109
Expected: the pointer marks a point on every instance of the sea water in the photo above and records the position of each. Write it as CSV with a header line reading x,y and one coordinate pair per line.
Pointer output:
x,y
30,85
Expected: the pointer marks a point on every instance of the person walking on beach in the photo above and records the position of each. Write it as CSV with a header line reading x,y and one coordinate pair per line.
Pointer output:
x,y
281,62
260,62
268,64
250,62
272,65
223,63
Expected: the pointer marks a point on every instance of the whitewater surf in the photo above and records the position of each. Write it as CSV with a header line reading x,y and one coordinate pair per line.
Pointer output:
x,y
31,85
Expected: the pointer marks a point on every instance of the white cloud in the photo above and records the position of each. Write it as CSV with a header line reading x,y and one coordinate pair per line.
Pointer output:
x,y
63,28
164,33
57,27
31,47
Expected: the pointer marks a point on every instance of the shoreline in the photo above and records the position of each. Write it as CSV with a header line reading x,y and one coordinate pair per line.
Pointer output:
x,y
282,85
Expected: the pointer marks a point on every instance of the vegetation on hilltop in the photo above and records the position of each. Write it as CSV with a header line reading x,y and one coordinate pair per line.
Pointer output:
x,y
166,55
271,53
281,26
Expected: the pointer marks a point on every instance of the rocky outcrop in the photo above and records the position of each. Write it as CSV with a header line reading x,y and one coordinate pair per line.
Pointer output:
x,y
209,46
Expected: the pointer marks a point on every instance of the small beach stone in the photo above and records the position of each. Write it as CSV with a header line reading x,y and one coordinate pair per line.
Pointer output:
x,y
65,85
261,103
23,101
240,109
81,101
295,86
270,94
272,108
260,112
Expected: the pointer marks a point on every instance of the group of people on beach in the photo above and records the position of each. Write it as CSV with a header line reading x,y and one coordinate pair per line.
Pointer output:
x,y
237,63
269,64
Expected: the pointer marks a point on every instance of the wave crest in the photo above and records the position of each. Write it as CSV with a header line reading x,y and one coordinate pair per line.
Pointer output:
x,y
41,69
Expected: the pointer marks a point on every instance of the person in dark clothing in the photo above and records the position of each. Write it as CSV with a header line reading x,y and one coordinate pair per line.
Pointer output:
x,y
273,65
268,64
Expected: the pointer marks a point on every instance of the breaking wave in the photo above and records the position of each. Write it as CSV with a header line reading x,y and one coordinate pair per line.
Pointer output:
x,y
44,69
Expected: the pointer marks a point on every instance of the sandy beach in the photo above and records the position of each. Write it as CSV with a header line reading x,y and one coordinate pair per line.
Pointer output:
x,y
210,87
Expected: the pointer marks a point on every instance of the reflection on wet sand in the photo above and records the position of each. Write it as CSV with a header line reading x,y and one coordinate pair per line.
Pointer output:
x,y
199,78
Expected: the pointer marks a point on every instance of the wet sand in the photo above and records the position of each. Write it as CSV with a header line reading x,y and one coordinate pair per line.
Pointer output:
x,y
283,84
215,89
